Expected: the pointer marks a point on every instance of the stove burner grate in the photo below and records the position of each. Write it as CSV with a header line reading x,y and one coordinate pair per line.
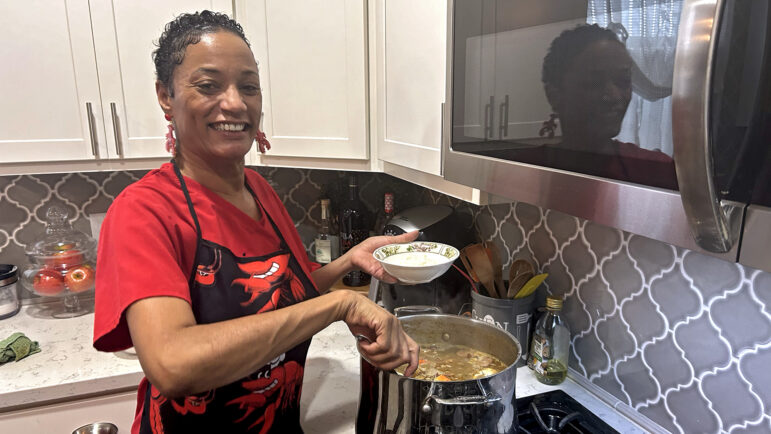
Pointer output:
x,y
557,413
556,423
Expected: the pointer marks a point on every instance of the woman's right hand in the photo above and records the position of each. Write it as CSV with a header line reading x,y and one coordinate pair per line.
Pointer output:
x,y
389,346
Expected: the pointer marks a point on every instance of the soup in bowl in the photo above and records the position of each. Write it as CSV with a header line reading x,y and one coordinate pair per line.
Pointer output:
x,y
416,262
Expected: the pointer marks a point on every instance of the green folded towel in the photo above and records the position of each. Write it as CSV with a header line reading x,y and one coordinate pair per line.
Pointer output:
x,y
16,347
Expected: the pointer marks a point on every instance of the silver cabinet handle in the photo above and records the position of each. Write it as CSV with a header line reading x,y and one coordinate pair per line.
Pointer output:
x,y
116,129
91,128
714,225
441,140
489,118
503,115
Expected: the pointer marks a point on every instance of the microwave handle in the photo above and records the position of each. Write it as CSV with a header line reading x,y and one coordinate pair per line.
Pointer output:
x,y
715,225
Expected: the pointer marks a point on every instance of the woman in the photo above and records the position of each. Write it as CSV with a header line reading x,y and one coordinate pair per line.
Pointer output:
x,y
202,270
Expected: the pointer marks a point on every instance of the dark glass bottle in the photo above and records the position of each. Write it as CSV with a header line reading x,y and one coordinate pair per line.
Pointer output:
x,y
353,230
385,214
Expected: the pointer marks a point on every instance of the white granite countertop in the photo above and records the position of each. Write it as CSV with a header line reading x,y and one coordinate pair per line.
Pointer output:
x,y
69,367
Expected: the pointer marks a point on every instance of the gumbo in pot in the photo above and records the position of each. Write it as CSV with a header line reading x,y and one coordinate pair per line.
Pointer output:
x,y
452,362
406,405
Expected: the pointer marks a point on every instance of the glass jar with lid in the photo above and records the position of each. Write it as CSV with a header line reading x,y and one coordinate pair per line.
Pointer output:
x,y
9,298
61,264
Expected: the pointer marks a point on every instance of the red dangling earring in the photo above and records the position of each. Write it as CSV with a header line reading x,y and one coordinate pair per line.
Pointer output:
x,y
171,142
262,141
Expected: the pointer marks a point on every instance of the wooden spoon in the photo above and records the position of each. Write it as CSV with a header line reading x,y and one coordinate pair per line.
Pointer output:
x,y
519,281
468,267
495,261
481,266
518,268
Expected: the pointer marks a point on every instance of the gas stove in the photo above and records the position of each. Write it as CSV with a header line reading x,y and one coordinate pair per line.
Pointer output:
x,y
556,412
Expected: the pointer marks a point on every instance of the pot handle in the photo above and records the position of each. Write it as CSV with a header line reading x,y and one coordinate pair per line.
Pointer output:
x,y
415,310
486,399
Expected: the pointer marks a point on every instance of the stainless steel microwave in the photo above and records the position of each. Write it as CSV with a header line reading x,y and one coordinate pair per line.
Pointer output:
x,y
651,116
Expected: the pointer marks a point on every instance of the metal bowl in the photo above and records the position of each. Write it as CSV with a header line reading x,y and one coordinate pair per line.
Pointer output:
x,y
97,428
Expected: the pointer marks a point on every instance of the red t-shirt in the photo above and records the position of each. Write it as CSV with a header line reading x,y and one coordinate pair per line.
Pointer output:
x,y
148,240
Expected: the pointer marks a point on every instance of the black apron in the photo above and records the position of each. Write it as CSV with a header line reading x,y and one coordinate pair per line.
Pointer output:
x,y
224,286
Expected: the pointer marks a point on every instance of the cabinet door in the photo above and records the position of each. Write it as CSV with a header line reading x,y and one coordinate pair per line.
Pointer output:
x,y
65,417
411,73
49,82
124,35
312,57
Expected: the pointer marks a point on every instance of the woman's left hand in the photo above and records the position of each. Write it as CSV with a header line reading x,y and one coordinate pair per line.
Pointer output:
x,y
361,254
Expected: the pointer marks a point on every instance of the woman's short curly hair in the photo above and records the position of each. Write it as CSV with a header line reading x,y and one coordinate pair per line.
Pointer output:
x,y
185,30
569,44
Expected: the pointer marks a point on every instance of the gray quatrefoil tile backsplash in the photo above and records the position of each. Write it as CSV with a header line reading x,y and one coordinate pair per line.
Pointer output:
x,y
683,338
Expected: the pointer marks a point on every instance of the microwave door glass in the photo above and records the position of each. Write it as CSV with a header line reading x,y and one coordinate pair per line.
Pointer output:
x,y
582,86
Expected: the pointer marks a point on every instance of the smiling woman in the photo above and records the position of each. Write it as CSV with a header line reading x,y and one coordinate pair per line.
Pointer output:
x,y
202,269
213,98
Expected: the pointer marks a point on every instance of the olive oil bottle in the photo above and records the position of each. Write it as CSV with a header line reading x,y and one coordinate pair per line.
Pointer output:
x,y
550,347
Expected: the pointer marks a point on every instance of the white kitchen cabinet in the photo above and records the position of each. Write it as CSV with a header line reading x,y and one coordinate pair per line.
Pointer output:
x,y
409,75
49,86
411,46
313,66
79,84
65,417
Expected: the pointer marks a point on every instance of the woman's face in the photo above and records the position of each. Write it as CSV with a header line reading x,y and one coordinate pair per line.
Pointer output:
x,y
595,91
217,99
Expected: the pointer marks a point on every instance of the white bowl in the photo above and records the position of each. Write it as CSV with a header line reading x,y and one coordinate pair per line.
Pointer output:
x,y
416,262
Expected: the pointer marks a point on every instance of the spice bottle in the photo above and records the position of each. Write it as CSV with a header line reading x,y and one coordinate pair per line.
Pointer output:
x,y
550,346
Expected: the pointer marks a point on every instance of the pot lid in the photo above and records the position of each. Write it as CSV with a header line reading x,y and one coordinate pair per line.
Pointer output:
x,y
59,236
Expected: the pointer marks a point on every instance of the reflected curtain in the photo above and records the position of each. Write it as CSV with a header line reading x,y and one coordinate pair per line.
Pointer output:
x,y
651,28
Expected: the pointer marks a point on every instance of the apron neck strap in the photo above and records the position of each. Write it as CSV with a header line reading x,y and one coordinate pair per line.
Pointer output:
x,y
265,214
187,198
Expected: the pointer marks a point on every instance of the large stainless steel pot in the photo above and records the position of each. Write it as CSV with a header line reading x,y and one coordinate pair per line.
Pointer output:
x,y
486,405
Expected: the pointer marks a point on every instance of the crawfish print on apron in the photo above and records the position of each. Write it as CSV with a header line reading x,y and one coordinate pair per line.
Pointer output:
x,y
224,286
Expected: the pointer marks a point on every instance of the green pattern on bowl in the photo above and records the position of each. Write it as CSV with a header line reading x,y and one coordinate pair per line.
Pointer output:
x,y
386,251
448,252
422,247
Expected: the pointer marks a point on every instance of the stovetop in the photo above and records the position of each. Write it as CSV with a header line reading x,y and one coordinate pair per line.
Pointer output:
x,y
556,412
